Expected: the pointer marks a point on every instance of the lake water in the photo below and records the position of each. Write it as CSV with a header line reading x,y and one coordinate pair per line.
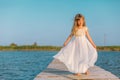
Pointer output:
x,y
25,65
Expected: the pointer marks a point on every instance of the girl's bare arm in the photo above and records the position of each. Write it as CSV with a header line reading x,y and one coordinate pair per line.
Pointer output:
x,y
90,39
67,40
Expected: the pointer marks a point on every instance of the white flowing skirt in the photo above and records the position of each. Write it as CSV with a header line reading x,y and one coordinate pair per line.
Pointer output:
x,y
78,55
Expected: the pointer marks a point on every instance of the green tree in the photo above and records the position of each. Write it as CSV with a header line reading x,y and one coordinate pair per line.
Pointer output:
x,y
34,44
13,45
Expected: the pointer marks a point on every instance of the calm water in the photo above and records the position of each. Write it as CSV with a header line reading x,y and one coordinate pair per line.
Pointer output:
x,y
109,60
25,65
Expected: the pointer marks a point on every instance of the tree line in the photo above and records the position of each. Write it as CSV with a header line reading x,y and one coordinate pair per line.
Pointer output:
x,y
35,46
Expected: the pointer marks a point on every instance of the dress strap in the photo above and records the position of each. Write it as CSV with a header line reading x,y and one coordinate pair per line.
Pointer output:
x,y
86,28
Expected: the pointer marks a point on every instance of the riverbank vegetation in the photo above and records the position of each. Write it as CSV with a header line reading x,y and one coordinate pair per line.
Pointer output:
x,y
34,46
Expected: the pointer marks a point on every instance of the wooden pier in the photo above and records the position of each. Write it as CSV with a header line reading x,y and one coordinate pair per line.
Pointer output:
x,y
56,70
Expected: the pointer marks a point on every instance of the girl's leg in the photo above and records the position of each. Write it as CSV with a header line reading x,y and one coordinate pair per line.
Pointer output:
x,y
87,72
77,74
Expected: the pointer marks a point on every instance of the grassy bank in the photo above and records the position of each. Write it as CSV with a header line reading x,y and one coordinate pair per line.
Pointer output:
x,y
52,48
109,48
6,48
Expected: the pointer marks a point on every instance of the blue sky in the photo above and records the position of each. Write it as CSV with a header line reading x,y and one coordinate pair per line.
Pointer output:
x,y
49,22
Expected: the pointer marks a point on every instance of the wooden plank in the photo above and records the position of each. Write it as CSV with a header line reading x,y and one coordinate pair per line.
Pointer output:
x,y
56,70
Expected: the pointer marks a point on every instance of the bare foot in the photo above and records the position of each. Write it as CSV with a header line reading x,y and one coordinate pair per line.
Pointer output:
x,y
77,74
87,72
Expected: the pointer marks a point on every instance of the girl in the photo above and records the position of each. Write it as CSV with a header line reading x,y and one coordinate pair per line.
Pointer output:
x,y
80,53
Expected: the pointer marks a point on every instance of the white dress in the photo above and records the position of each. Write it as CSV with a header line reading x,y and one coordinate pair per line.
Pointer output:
x,y
79,54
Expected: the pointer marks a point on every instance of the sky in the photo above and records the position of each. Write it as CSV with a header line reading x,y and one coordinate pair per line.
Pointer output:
x,y
49,22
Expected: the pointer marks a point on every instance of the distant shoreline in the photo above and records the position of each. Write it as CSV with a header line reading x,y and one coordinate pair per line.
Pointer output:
x,y
51,48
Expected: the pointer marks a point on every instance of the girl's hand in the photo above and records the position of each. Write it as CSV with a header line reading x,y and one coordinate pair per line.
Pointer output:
x,y
95,47
64,44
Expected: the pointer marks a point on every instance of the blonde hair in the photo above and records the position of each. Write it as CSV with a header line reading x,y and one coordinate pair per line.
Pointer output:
x,y
75,25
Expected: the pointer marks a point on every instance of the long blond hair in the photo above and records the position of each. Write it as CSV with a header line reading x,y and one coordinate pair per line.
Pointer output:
x,y
75,25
